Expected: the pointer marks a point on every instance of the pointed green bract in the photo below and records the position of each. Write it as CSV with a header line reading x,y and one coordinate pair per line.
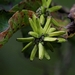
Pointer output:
x,y
46,55
61,40
42,19
44,3
32,24
28,45
34,50
54,8
52,30
50,46
34,34
41,51
38,23
50,39
55,22
47,24
48,3
39,27
57,33
42,9
28,39
47,31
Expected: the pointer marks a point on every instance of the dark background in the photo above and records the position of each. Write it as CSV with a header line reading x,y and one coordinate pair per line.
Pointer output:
x,y
13,62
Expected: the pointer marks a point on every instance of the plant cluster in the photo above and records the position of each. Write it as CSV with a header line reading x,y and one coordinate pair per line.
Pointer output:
x,y
43,32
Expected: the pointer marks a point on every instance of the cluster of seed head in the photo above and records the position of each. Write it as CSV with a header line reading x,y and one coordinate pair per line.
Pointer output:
x,y
42,31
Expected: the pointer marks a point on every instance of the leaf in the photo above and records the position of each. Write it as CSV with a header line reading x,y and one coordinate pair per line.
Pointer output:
x,y
27,4
4,26
18,20
4,17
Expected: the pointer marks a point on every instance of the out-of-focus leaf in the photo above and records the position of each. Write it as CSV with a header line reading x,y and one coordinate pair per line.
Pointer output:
x,y
7,4
18,20
4,17
60,18
29,5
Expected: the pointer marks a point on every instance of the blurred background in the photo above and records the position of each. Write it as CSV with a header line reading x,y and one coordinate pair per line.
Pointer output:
x,y
13,62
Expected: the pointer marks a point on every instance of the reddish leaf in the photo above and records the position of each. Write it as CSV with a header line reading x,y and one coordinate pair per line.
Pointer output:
x,y
18,20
